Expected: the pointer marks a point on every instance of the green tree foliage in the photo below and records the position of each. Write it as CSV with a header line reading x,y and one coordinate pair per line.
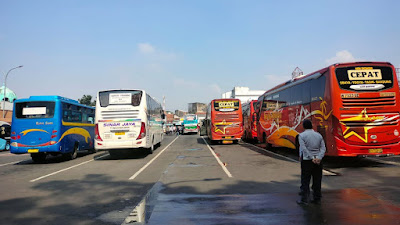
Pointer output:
x,y
87,100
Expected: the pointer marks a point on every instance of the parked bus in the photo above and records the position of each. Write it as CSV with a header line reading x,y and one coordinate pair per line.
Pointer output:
x,y
127,119
43,125
355,107
190,123
250,121
224,120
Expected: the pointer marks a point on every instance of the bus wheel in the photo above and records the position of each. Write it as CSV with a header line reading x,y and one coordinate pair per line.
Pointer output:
x,y
73,154
151,149
38,157
93,150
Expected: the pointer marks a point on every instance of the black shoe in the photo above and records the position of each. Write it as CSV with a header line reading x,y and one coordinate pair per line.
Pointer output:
x,y
302,202
316,201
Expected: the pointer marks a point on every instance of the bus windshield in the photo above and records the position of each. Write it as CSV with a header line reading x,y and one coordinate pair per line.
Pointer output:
x,y
370,78
34,110
120,97
226,105
190,117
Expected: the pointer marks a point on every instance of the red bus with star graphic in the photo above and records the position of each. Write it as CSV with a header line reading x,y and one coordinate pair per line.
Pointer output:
x,y
355,106
224,120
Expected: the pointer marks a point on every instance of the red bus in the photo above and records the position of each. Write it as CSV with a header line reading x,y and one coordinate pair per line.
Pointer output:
x,y
250,121
224,120
355,107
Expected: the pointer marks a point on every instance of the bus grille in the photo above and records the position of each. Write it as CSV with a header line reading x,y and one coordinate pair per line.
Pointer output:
x,y
130,114
389,119
372,124
368,102
226,117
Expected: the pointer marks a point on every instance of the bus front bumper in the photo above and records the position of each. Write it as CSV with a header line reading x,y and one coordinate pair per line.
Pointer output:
x,y
34,149
344,149
107,145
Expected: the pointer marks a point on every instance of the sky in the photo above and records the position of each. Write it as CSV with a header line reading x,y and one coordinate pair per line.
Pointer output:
x,y
187,51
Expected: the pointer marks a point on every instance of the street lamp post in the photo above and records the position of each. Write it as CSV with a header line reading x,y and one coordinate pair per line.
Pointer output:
x,y
5,87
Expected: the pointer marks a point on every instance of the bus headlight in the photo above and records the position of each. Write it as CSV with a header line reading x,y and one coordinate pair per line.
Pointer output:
x,y
14,144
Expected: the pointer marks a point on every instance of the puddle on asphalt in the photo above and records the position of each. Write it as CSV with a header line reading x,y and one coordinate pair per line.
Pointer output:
x,y
194,149
142,212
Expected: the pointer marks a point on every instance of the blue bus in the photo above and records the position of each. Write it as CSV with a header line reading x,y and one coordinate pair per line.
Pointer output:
x,y
43,125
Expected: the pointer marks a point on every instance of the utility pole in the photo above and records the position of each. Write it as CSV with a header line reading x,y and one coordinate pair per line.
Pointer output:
x,y
5,87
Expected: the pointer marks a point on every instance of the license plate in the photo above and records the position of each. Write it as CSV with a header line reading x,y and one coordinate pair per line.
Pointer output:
x,y
227,142
119,133
33,150
228,137
375,150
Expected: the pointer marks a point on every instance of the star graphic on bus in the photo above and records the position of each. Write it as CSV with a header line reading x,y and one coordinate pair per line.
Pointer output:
x,y
221,126
360,132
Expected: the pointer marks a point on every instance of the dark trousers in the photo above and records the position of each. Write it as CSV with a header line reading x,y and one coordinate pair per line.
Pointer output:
x,y
308,170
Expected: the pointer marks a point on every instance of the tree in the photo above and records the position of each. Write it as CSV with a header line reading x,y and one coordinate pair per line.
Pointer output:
x,y
87,100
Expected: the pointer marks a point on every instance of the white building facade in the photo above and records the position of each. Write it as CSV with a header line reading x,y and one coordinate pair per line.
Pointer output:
x,y
243,93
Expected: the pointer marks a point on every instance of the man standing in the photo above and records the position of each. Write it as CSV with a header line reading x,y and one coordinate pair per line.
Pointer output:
x,y
312,150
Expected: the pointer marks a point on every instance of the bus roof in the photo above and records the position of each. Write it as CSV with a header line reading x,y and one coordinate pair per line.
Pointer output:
x,y
51,98
122,90
131,90
224,99
315,74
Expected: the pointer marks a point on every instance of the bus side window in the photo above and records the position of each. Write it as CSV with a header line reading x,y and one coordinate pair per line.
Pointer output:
x,y
91,119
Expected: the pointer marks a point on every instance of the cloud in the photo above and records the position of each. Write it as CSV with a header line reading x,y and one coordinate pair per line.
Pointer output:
x,y
215,88
342,56
146,48
153,54
179,82
273,80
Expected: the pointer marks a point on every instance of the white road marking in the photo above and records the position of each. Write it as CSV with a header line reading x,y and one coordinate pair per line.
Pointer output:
x,y
51,174
325,172
8,154
152,160
384,162
10,163
219,161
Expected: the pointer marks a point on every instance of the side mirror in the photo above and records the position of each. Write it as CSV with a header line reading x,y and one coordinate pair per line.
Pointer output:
x,y
163,116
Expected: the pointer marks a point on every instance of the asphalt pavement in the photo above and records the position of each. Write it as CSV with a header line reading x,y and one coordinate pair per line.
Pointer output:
x,y
188,181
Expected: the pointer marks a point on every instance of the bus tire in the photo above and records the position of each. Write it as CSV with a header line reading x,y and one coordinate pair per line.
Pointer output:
x,y
93,150
244,138
38,157
151,149
72,155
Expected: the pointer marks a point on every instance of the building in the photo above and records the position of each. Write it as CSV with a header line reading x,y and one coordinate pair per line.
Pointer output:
x,y
7,105
196,107
180,113
243,93
169,116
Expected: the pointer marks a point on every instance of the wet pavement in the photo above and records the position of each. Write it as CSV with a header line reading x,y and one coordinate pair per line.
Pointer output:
x,y
346,206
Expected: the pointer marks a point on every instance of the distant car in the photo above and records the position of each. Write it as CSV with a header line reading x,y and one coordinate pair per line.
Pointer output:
x,y
5,132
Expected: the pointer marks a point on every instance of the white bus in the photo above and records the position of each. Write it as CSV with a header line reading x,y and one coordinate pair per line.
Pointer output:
x,y
127,119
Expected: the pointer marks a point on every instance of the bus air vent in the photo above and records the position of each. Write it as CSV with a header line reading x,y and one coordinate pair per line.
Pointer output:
x,y
368,102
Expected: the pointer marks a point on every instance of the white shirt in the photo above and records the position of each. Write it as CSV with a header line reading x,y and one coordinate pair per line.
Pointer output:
x,y
312,145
